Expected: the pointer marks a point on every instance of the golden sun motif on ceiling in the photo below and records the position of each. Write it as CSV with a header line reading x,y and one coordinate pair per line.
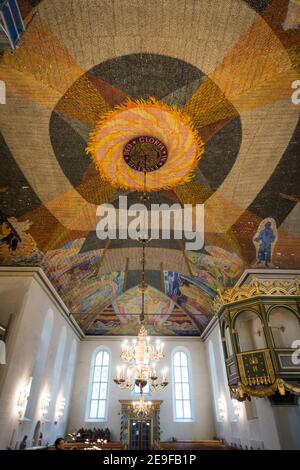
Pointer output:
x,y
161,135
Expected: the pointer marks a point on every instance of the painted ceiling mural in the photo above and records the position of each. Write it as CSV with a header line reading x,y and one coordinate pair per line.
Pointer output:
x,y
218,72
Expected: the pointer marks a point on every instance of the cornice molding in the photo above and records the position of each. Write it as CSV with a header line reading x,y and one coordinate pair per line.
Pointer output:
x,y
177,339
37,274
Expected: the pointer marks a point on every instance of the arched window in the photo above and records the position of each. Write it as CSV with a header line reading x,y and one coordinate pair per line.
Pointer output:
x,y
181,386
98,393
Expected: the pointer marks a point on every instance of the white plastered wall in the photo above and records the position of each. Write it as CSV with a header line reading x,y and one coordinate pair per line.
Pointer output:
x,y
27,294
202,427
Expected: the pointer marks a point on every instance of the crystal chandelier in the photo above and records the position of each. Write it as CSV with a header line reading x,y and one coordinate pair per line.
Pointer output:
x,y
141,408
141,356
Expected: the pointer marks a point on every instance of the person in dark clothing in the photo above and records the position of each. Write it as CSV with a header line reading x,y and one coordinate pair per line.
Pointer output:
x,y
23,443
59,443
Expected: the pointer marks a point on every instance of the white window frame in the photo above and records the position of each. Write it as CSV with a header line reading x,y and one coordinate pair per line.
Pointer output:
x,y
190,382
90,386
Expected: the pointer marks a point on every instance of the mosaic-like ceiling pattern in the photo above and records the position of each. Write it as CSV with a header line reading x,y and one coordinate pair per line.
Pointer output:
x,y
229,66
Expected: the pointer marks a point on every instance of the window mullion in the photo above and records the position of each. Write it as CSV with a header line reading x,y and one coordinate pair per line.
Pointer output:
x,y
182,397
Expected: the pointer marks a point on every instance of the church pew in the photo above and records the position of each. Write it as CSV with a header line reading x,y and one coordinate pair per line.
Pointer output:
x,y
114,445
193,445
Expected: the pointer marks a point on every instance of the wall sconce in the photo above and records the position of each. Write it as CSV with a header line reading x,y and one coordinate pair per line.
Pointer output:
x,y
236,407
221,409
45,405
23,399
60,410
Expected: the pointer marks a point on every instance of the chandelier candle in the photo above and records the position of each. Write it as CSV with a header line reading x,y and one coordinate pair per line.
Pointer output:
x,y
141,408
141,358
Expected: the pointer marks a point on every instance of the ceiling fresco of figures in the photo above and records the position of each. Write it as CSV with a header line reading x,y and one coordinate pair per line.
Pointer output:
x,y
217,79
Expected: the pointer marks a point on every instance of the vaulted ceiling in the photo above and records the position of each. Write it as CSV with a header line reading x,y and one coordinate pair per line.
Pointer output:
x,y
228,65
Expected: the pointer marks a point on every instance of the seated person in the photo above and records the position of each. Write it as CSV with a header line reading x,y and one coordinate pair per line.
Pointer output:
x,y
59,443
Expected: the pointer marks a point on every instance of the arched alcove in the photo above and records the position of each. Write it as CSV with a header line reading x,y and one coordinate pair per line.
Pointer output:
x,y
214,379
285,327
228,350
250,332
39,365
57,367
70,368
36,434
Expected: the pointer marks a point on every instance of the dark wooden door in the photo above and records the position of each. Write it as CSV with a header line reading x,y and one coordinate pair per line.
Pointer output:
x,y
140,434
